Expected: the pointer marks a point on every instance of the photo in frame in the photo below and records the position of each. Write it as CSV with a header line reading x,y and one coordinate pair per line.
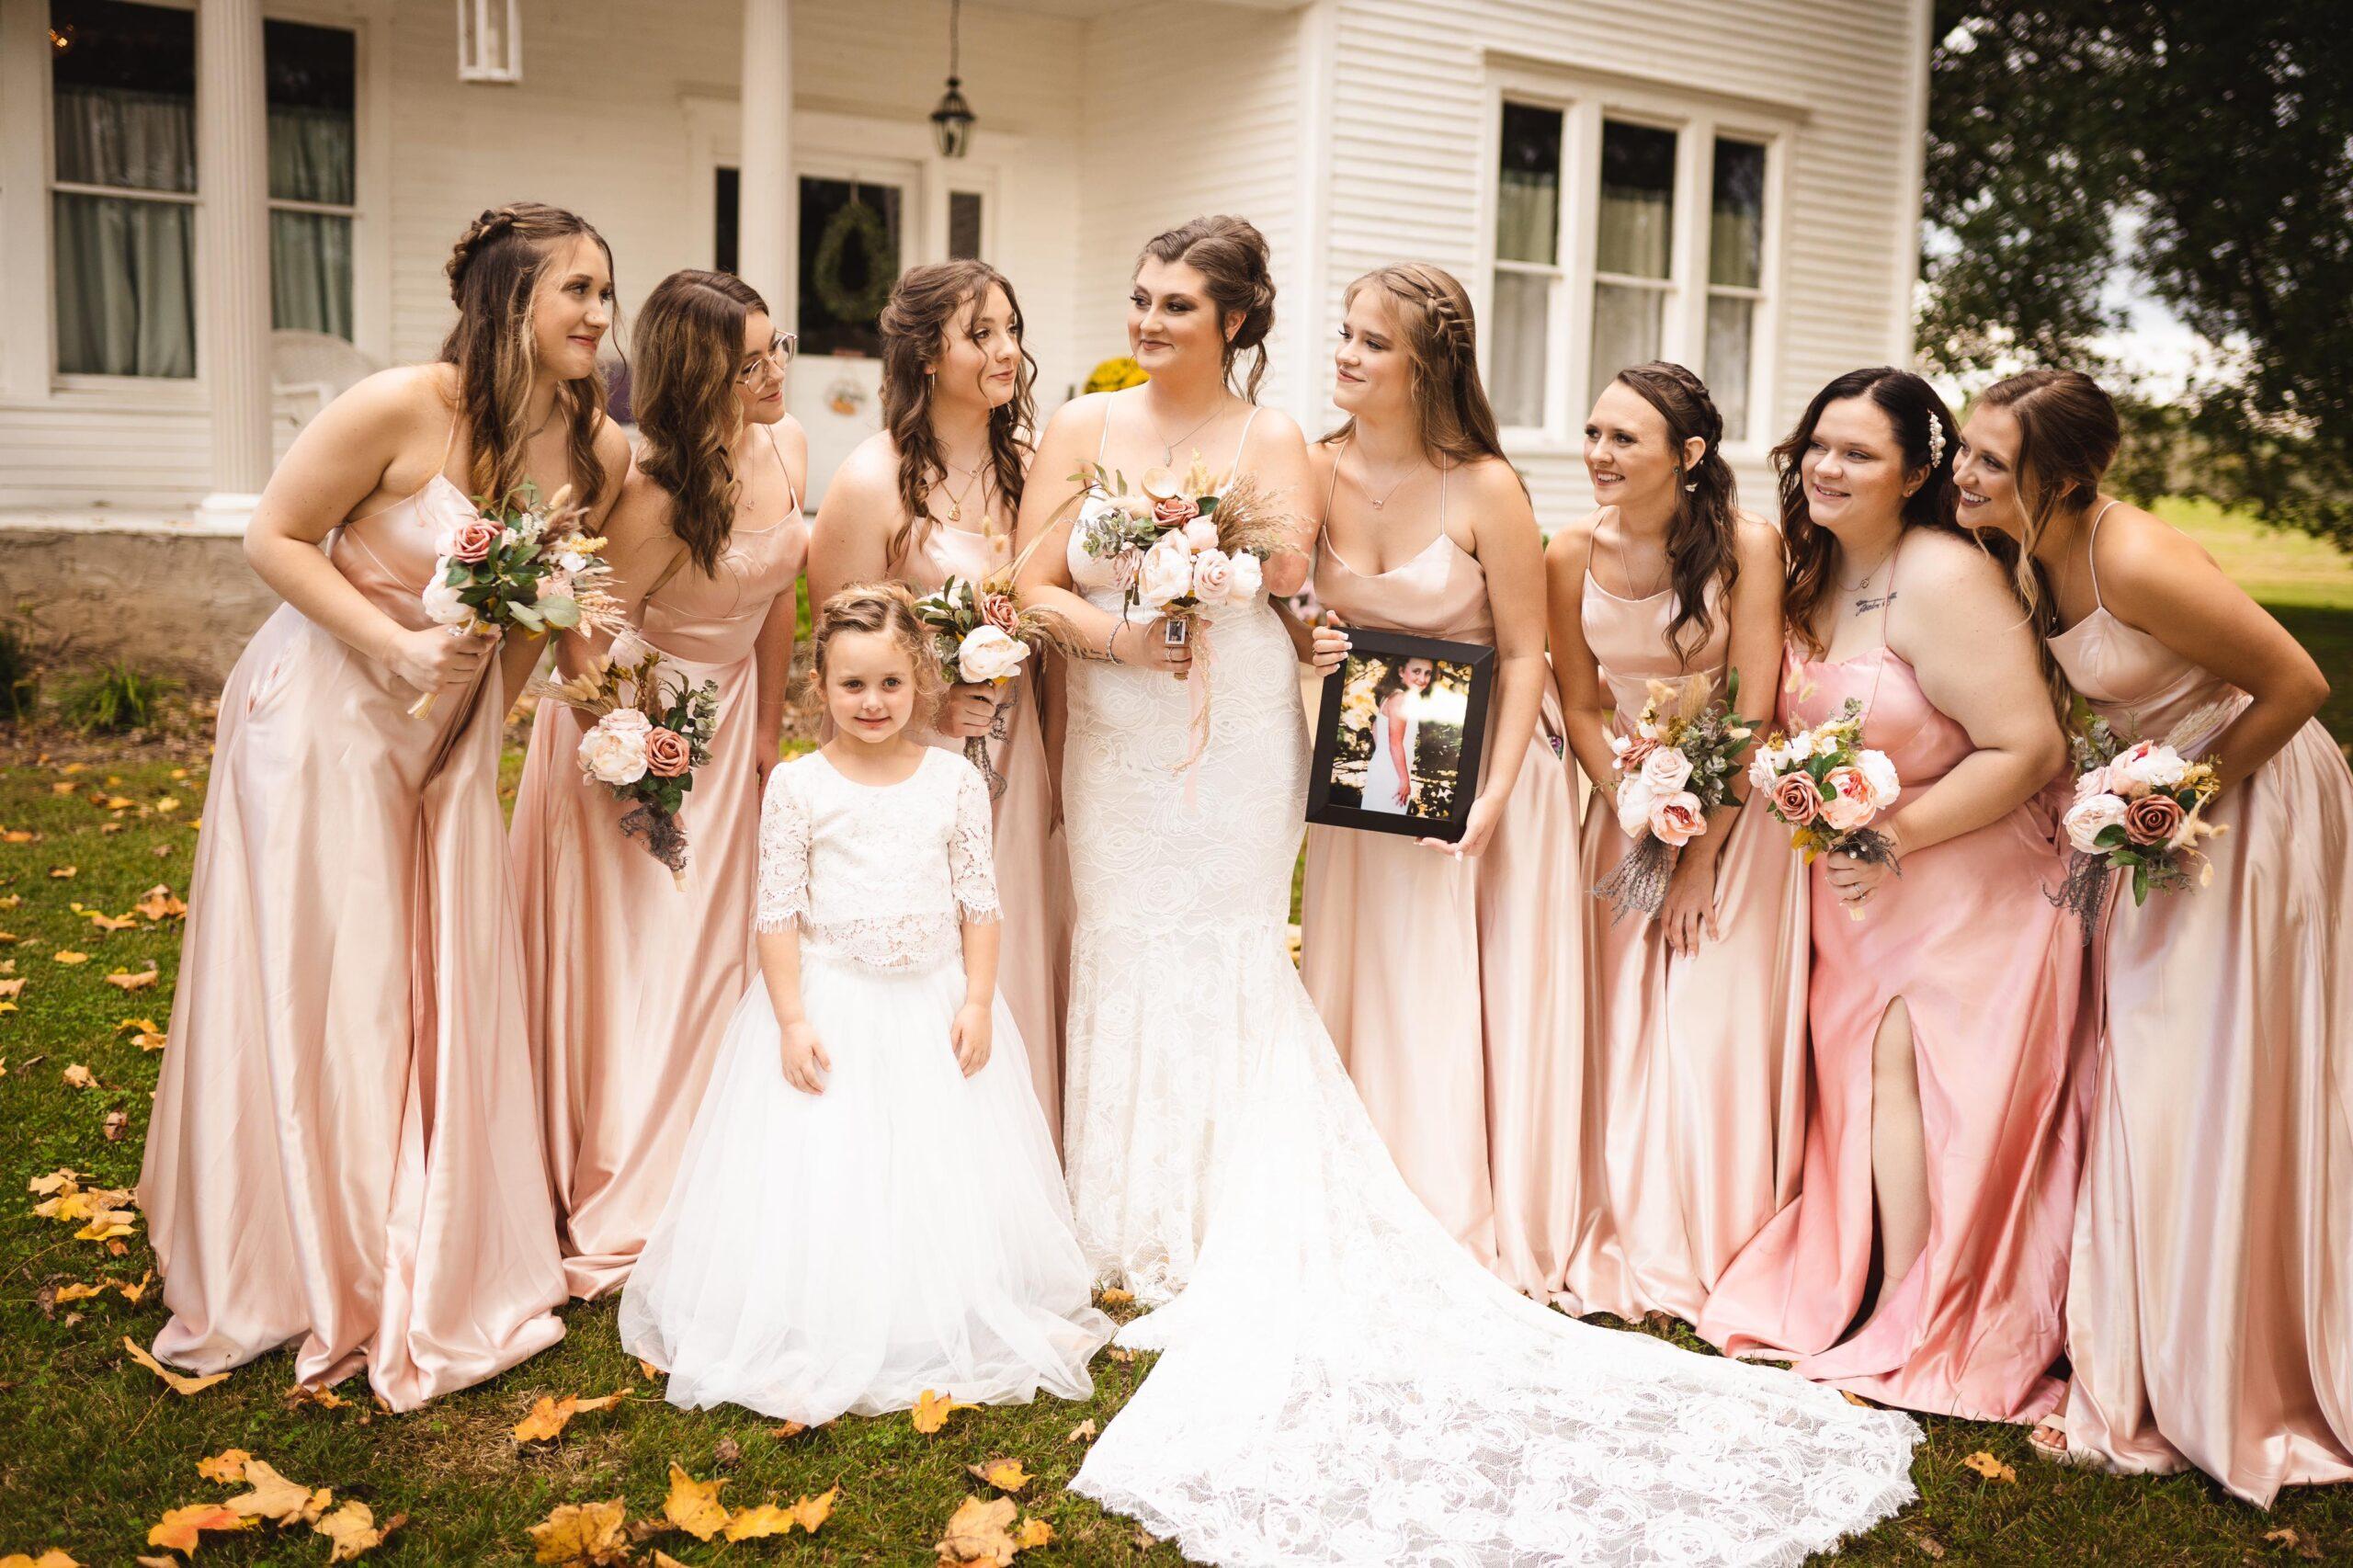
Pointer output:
x,y
1401,735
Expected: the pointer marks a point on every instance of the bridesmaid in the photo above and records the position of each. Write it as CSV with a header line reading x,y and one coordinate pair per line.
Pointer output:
x,y
1449,973
1924,1260
2213,1274
632,978
343,1155
1695,1044
933,494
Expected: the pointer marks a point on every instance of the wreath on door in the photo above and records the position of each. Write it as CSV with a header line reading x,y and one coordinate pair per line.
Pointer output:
x,y
855,223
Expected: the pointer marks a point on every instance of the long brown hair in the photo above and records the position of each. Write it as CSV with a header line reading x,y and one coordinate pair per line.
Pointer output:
x,y
921,312
495,272
888,608
1232,256
1702,537
1925,433
1440,334
2068,435
691,340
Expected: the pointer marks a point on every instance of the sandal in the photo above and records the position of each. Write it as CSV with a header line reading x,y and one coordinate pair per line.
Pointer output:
x,y
2049,1440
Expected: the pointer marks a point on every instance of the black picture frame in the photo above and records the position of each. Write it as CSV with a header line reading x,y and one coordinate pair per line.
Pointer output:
x,y
1463,674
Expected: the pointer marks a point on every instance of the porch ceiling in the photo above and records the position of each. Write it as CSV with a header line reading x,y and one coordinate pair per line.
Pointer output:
x,y
1088,9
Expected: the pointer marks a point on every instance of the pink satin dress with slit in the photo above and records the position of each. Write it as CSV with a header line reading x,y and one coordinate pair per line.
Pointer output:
x,y
1991,975
2211,1317
345,1151
1695,1066
632,977
1033,865
1454,989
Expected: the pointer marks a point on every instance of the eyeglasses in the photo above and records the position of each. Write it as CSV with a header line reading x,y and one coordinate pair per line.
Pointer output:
x,y
779,355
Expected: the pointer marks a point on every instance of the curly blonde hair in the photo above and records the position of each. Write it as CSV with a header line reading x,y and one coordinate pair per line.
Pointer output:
x,y
888,609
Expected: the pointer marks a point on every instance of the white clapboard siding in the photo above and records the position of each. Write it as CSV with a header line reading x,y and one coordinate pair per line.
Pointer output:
x,y
1191,109
1410,140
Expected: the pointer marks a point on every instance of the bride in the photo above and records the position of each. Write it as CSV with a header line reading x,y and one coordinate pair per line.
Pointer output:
x,y
1339,1383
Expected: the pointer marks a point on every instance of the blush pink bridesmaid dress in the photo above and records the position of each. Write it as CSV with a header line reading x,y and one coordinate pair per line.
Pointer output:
x,y
2211,1316
1993,976
344,1155
1032,866
632,977
1695,1067
1454,989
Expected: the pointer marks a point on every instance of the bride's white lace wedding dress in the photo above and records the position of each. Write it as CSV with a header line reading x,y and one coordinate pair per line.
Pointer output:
x,y
1340,1384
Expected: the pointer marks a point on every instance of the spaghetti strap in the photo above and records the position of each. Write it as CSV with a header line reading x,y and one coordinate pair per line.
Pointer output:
x,y
1103,438
785,469
2091,555
449,445
1235,466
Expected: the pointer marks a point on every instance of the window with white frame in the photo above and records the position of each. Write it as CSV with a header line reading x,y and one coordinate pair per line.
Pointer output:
x,y
1597,264
123,186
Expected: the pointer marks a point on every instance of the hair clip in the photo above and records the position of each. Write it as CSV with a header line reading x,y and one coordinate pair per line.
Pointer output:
x,y
1935,441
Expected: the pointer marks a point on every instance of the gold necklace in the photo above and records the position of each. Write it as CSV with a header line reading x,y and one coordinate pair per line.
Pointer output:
x,y
956,499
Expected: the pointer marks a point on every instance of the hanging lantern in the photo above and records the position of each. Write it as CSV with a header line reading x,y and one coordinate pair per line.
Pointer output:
x,y
951,122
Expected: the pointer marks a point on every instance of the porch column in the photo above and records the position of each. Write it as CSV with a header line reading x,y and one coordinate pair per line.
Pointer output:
x,y
765,186
232,254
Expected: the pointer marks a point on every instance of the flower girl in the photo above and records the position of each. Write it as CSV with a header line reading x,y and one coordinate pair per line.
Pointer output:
x,y
868,1204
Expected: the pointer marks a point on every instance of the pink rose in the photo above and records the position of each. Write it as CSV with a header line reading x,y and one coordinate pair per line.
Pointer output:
x,y
1169,510
1848,803
1796,799
1124,567
472,542
999,610
1633,751
2152,819
1212,577
666,753
1677,819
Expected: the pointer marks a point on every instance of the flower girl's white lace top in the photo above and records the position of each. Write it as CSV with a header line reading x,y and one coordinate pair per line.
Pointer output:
x,y
878,874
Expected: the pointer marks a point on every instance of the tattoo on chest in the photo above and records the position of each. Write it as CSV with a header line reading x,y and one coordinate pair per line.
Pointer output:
x,y
1864,606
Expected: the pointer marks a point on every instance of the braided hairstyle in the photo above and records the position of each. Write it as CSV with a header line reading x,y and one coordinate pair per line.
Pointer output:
x,y
496,270
1702,537
690,341
1231,254
1926,436
1431,312
888,608
923,309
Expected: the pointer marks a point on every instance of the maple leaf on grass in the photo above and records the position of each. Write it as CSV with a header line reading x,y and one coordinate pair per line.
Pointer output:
x,y
181,1529
68,957
1005,1475
581,1535
228,1466
304,1393
1033,1533
1082,1433
138,982
758,1524
932,1410
979,1531
79,1077
550,1416
352,1530
1989,1466
52,1558
277,1499
68,1294
1115,1298
178,1384
694,1506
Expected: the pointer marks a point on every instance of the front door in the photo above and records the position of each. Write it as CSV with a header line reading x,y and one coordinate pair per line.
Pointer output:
x,y
854,238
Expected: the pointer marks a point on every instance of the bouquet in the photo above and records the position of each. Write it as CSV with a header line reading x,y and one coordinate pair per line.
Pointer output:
x,y
1828,787
983,638
1676,767
653,730
2137,809
519,563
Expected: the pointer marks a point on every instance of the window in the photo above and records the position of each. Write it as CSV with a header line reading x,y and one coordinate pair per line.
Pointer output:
x,y
963,225
123,192
850,249
312,80
122,201
1598,265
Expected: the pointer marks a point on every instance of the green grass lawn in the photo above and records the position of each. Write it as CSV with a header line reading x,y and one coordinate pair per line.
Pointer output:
x,y
94,1448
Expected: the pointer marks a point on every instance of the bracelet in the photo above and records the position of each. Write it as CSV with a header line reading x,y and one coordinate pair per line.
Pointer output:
x,y
1111,651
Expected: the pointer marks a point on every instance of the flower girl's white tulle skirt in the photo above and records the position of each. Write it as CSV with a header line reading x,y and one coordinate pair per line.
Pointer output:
x,y
905,1230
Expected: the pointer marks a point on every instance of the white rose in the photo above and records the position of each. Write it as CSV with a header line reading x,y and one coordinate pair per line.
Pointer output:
x,y
572,561
1635,797
2145,767
1201,534
2094,782
1764,768
1212,577
2164,767
613,752
441,599
1168,572
988,655
1249,581
1665,769
1879,774
2088,818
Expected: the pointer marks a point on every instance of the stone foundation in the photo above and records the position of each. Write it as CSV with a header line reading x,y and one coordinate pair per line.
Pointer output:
x,y
168,598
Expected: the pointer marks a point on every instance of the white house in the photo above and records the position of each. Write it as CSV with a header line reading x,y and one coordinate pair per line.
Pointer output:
x,y
212,214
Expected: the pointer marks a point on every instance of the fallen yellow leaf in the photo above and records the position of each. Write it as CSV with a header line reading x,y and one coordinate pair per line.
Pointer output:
x,y
352,1530
694,1506
304,1393
138,1026
1115,1298
1033,1533
15,987
158,903
648,1370
550,1416
77,1077
68,957
138,982
228,1466
812,1512
17,836
61,874
132,1293
790,1429
980,1532
63,787
52,1558
932,1411
177,1383
1005,1475
9,940
1989,1466
168,804
581,1535
277,1499
60,1179
760,1523
69,1293
1082,1433
177,1530
118,802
